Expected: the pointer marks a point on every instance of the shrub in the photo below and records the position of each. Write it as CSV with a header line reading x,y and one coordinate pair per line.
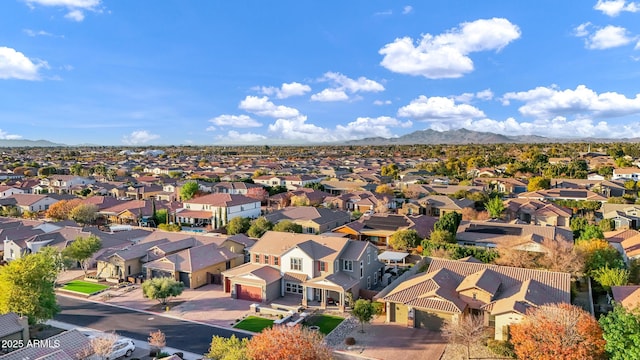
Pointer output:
x,y
501,348
350,341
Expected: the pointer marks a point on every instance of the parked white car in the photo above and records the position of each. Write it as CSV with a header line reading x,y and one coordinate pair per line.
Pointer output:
x,y
122,347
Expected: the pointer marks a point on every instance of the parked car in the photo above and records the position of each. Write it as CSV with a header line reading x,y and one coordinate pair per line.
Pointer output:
x,y
122,347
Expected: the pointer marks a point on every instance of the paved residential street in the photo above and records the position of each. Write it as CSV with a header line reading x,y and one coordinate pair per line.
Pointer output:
x,y
180,334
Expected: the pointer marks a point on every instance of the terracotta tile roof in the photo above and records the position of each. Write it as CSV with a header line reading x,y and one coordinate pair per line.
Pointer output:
x,y
631,246
9,324
193,259
277,243
72,344
222,200
259,273
484,279
338,282
295,277
618,236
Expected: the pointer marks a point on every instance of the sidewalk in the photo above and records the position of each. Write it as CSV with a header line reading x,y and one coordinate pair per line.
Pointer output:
x,y
139,343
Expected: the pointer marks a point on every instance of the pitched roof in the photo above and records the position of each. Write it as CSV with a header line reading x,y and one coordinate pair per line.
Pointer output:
x,y
277,243
10,324
194,259
222,200
627,296
72,344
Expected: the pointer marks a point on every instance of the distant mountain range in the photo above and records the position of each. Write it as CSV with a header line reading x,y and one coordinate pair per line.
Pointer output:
x,y
28,143
464,136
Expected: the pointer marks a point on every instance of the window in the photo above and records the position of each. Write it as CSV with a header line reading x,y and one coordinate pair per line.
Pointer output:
x,y
228,265
275,260
347,265
256,258
293,288
266,258
322,266
475,296
361,269
296,264
375,279
368,258
368,282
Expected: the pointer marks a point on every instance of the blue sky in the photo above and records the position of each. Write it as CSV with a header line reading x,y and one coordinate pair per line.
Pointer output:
x,y
292,72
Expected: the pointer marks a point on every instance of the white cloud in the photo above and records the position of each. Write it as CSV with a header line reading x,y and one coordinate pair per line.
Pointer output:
x,y
364,127
241,138
330,95
485,94
615,7
239,121
139,137
15,65
608,37
466,98
407,10
299,129
446,55
75,15
341,85
382,102
34,33
263,107
6,136
76,8
544,103
582,30
286,90
438,108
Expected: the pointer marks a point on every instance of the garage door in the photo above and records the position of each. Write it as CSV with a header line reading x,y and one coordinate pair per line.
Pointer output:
x,y
245,292
430,320
399,313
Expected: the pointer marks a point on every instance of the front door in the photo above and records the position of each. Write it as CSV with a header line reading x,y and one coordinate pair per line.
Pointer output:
x,y
317,294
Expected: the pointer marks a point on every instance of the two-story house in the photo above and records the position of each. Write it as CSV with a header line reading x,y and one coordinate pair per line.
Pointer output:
x,y
63,184
217,209
318,269
6,191
291,182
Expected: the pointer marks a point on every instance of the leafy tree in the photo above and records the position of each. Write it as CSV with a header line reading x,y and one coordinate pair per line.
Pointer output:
x,y
278,189
82,249
46,171
578,224
538,183
162,289
161,216
157,340
258,173
442,237
469,330
283,342
259,226
175,174
591,232
621,330
188,190
404,239
28,286
170,227
599,254
494,207
315,186
449,222
299,200
364,311
60,210
238,225
560,331
607,225
287,226
232,348
561,256
611,277
390,170
384,189
84,213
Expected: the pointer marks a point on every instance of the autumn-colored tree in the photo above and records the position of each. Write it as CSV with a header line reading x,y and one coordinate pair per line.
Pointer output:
x,y
288,343
382,207
538,183
468,331
562,256
611,277
157,340
599,254
509,255
61,209
257,193
100,347
84,213
384,189
558,332
232,348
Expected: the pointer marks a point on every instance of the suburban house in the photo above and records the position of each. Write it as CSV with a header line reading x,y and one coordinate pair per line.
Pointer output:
x,y
627,296
318,269
217,209
625,216
339,187
504,185
6,191
13,327
517,236
537,212
234,187
33,202
361,201
195,266
450,289
438,205
131,211
378,228
312,219
626,174
291,182
62,184
563,194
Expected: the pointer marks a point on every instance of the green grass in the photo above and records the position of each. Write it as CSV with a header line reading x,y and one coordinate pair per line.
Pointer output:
x,y
84,287
254,323
326,323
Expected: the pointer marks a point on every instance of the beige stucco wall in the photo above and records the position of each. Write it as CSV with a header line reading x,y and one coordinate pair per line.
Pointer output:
x,y
504,320
482,297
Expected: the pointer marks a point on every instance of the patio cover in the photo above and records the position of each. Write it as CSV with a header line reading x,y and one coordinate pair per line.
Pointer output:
x,y
394,256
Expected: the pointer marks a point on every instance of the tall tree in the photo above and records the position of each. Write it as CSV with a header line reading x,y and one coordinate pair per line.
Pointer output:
x,y
60,210
621,330
28,285
162,289
238,225
468,331
259,226
283,342
84,213
495,207
560,331
364,311
404,239
82,249
188,190
449,222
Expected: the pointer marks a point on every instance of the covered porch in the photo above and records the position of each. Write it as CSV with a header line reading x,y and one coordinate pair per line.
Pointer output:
x,y
193,217
329,291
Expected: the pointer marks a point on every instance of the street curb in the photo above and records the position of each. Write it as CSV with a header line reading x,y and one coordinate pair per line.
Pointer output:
x,y
356,355
157,314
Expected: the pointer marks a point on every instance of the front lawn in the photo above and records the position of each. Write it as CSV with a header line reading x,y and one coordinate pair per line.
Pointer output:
x,y
84,287
326,323
254,323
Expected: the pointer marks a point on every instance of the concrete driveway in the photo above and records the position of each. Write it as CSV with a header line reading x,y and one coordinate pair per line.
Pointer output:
x,y
386,341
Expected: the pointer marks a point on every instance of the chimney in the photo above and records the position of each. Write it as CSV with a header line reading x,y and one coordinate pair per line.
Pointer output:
x,y
23,321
